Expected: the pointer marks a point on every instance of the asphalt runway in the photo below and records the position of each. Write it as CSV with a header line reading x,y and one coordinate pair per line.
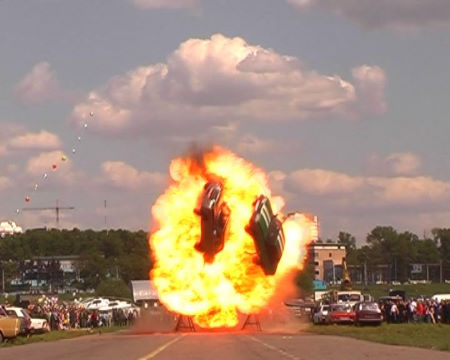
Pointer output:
x,y
217,346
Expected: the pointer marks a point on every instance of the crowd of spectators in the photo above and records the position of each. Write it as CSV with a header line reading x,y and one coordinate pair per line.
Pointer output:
x,y
71,315
416,311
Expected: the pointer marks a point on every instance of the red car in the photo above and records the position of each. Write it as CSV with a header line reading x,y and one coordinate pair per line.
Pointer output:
x,y
368,313
340,314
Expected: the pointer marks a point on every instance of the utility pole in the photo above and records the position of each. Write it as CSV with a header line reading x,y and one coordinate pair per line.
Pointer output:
x,y
57,209
3,280
105,214
365,273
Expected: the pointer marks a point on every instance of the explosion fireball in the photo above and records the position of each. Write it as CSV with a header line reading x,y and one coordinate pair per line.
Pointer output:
x,y
213,294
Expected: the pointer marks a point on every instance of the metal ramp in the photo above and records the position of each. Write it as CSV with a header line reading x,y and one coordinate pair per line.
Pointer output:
x,y
252,320
185,323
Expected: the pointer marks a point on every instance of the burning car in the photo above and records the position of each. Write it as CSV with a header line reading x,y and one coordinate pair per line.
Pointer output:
x,y
267,233
214,215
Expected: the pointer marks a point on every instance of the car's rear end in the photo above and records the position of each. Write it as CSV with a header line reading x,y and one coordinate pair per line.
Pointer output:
x,y
341,314
9,327
368,313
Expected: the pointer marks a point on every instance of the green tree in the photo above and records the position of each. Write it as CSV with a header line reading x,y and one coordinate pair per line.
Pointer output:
x,y
113,288
442,237
304,279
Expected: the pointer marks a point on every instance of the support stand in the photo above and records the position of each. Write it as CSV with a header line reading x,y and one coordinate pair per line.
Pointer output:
x,y
185,323
252,319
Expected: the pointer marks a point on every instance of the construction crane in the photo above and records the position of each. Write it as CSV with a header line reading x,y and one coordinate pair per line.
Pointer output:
x,y
57,209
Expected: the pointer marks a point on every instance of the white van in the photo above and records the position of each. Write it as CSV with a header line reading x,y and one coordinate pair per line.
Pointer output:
x,y
439,297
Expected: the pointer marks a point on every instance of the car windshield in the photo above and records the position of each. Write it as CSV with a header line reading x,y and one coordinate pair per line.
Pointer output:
x,y
369,306
340,307
11,313
325,308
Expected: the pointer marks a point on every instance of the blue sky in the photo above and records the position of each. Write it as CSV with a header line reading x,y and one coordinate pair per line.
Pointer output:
x,y
344,106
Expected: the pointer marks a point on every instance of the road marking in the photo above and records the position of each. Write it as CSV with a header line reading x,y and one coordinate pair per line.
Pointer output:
x,y
274,348
161,348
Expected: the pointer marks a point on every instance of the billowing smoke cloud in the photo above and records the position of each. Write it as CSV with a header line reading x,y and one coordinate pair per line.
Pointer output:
x,y
394,14
208,83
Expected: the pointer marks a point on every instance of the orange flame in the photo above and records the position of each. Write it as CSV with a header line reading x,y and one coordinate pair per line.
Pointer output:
x,y
214,293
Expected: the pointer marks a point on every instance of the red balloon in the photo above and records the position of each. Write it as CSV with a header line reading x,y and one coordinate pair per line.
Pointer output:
x,y
27,198
54,166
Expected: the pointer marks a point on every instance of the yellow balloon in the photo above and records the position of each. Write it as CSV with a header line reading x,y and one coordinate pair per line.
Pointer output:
x,y
64,158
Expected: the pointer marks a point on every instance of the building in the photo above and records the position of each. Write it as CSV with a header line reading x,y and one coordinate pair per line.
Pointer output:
x,y
55,273
327,260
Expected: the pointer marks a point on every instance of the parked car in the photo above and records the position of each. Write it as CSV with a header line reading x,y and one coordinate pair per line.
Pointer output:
x,y
321,314
23,316
95,304
38,325
267,233
9,326
440,297
368,313
340,314
214,215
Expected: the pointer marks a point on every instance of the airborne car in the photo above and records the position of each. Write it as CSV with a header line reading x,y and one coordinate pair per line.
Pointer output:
x,y
267,232
214,215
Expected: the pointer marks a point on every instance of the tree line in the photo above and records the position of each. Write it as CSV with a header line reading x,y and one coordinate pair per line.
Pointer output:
x,y
396,251
125,255
102,255
399,250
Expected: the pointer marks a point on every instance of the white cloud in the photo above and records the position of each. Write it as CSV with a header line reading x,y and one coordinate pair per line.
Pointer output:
x,y
398,164
252,144
42,140
64,173
371,191
165,4
394,14
323,182
207,83
370,83
5,183
15,138
39,85
125,176
3,150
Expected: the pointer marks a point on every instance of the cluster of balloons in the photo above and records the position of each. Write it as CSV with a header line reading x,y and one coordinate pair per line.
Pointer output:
x,y
54,165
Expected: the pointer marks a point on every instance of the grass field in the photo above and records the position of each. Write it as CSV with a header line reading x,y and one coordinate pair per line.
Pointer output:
x,y
428,336
60,335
